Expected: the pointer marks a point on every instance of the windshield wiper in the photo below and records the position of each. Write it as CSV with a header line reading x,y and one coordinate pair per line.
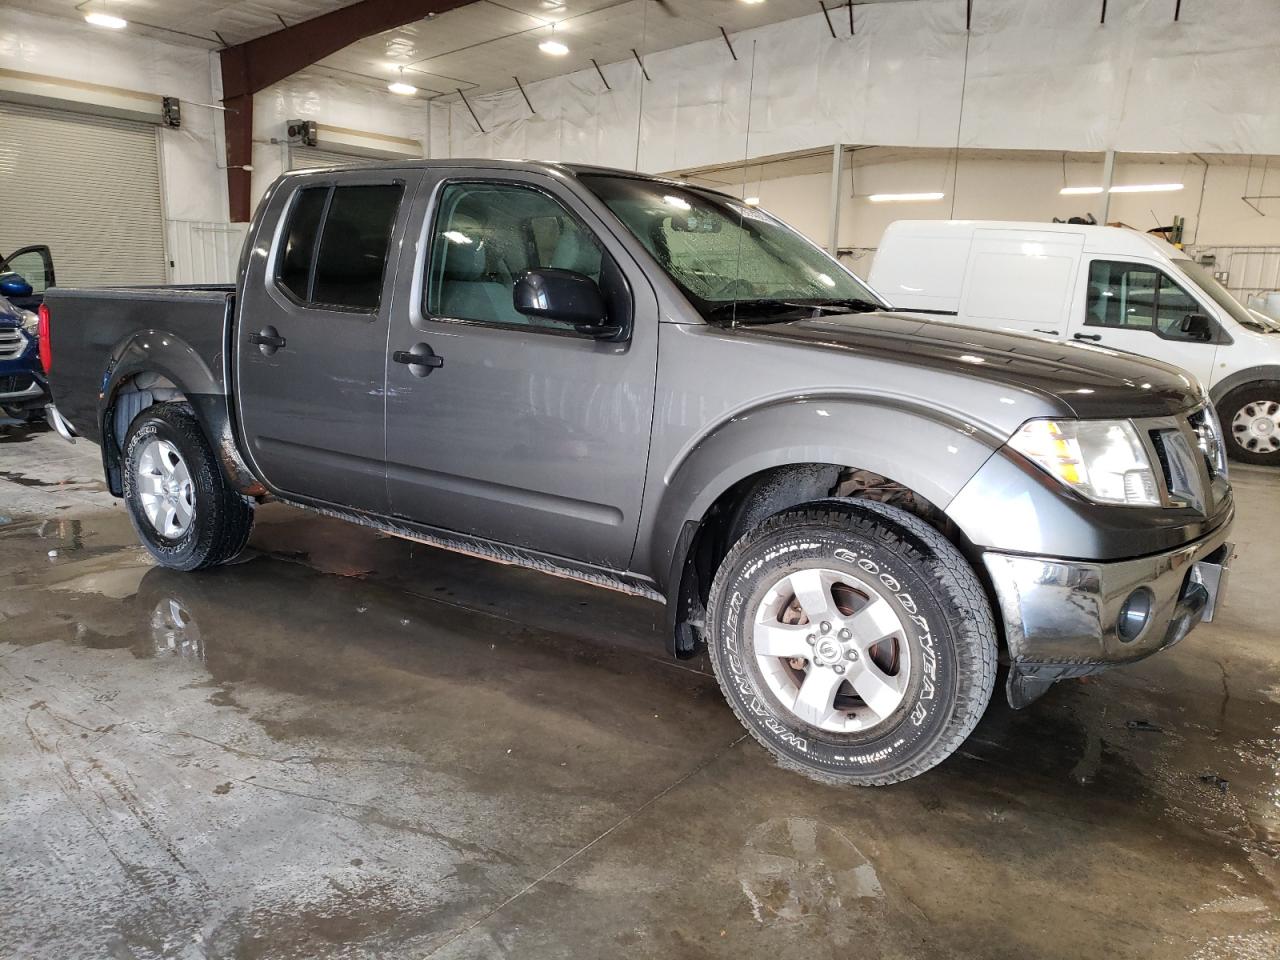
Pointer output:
x,y
768,310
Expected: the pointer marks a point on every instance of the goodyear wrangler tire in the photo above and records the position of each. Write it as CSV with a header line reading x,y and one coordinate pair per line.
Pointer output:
x,y
184,511
853,641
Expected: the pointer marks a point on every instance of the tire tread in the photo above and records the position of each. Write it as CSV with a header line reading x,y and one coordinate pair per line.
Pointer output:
x,y
961,592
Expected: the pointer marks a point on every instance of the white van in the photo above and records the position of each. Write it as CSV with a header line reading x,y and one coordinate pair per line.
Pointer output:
x,y
1108,286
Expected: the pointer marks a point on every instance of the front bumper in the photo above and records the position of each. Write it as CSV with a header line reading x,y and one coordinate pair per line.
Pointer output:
x,y
1061,616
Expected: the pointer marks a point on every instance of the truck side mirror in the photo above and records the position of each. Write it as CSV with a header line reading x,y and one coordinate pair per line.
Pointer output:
x,y
1196,326
566,296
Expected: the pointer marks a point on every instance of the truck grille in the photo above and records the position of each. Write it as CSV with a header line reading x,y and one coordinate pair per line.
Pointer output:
x,y
1191,457
12,343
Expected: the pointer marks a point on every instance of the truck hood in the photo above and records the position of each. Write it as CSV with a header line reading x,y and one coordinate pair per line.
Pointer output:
x,y
1091,382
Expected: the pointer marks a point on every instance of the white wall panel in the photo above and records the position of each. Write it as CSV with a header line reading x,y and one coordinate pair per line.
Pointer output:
x,y
1041,74
205,252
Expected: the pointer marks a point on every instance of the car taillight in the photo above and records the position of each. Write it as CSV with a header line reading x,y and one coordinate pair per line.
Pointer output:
x,y
46,344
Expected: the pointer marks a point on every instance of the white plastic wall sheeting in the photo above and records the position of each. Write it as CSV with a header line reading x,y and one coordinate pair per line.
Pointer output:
x,y
71,50
331,101
204,252
1250,270
1041,74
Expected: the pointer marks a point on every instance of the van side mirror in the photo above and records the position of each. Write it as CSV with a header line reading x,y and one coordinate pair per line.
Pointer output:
x,y
1196,326
565,296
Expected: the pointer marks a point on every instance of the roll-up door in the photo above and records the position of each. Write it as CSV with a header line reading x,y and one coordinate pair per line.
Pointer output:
x,y
87,186
304,158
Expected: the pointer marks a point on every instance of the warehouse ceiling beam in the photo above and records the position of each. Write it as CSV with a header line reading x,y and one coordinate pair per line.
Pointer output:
x,y
254,65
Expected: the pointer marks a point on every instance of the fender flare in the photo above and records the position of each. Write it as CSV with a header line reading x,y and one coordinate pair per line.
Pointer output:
x,y
166,355
1219,391
926,450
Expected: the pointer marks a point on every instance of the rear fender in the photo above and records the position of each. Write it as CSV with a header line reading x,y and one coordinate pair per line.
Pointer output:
x,y
159,356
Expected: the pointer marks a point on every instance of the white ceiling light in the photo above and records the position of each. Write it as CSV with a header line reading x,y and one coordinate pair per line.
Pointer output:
x,y
105,20
752,201
402,88
904,197
752,2
1148,188
1130,188
553,47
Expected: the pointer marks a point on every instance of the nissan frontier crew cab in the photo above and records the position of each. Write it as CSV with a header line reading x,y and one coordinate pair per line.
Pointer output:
x,y
662,390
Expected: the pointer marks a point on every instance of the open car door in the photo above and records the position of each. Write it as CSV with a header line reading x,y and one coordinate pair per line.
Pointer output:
x,y
26,274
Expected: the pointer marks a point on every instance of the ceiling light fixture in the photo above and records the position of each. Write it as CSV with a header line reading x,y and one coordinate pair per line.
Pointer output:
x,y
752,2
752,201
553,46
106,20
1148,188
1130,188
904,197
402,88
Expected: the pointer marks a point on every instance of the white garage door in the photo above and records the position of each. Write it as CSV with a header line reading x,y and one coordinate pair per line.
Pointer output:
x,y
303,158
87,186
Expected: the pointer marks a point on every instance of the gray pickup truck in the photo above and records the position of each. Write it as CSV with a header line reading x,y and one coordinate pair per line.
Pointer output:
x,y
662,390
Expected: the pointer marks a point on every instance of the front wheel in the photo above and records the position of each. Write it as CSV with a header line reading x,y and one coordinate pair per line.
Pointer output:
x,y
182,507
853,641
1250,418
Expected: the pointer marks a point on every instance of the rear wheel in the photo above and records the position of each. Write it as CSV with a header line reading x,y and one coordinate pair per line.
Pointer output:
x,y
853,641
182,507
1250,418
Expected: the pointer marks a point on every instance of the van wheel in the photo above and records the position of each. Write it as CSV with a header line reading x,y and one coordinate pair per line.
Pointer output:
x,y
853,641
1250,418
181,505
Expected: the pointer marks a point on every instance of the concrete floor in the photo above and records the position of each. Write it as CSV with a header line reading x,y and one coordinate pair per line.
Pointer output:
x,y
351,746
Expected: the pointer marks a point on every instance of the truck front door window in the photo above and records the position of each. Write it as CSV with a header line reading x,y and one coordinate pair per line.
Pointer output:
x,y
486,235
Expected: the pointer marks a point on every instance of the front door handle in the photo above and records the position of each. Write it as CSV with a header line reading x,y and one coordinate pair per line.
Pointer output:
x,y
420,359
268,340
1087,336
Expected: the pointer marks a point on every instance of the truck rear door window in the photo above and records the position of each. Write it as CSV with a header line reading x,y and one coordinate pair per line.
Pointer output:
x,y
298,250
345,268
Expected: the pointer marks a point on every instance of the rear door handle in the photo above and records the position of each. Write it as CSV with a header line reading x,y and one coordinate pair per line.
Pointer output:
x,y
1086,336
268,340
420,359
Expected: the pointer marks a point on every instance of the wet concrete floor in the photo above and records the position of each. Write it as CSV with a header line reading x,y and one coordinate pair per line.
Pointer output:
x,y
351,746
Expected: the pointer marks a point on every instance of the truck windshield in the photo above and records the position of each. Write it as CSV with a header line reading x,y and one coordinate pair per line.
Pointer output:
x,y
735,263
1222,297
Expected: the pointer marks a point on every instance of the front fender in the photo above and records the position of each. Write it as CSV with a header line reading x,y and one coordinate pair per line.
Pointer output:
x,y
164,354
929,452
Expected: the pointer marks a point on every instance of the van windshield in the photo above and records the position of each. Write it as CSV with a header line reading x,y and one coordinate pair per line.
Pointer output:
x,y
1222,297
734,262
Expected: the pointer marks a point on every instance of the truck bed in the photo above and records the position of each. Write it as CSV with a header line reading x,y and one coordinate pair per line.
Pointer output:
x,y
94,330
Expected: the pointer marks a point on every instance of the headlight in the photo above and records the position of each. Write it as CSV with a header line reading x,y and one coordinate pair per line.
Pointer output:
x,y
30,322
1103,460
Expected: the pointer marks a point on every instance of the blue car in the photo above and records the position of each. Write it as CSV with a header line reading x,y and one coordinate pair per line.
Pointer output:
x,y
23,388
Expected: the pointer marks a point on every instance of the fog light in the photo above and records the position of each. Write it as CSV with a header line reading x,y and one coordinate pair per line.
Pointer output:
x,y
1134,615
